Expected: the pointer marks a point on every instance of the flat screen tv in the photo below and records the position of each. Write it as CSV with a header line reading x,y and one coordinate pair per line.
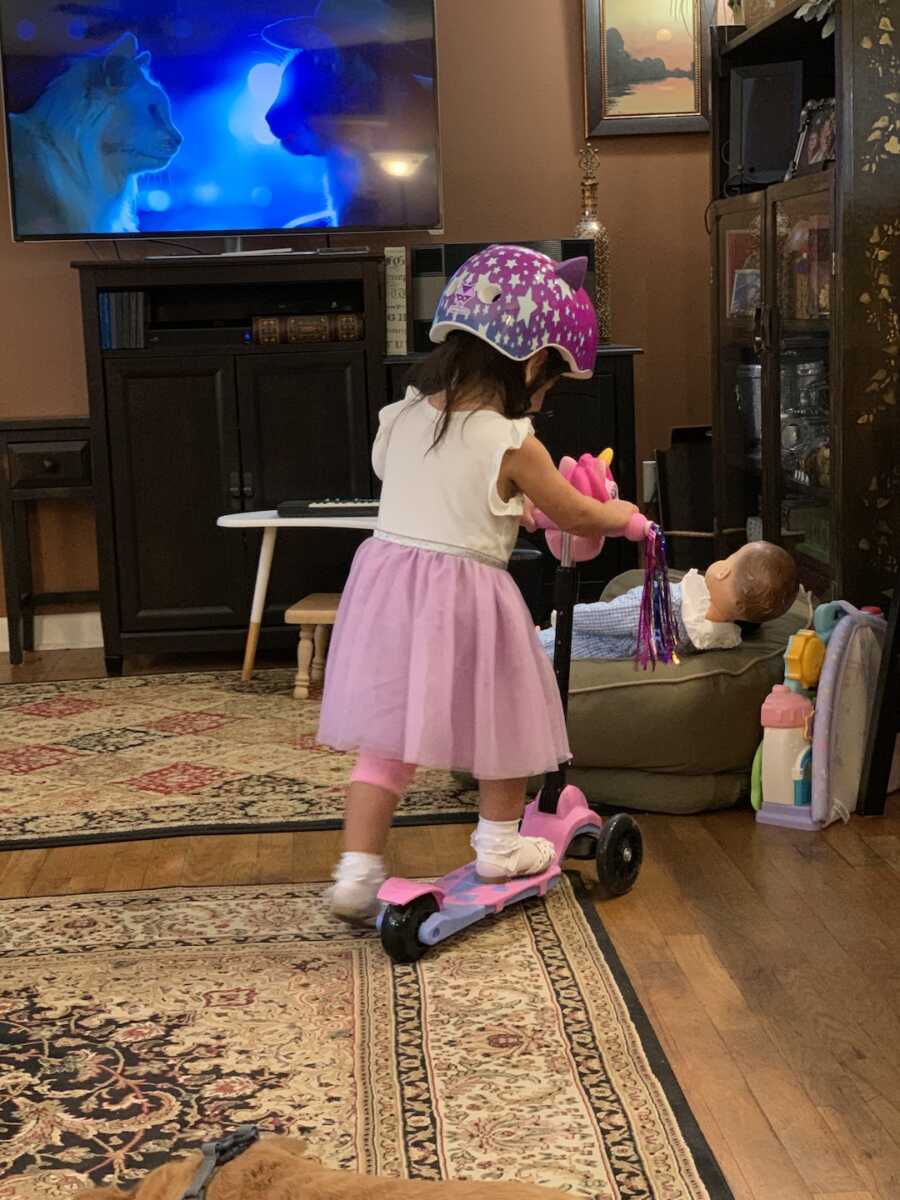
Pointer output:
x,y
160,118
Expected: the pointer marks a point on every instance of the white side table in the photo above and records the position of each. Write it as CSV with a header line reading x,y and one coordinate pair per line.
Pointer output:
x,y
269,521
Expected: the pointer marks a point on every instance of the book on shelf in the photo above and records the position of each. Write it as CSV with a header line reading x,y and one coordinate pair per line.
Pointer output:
x,y
299,330
395,279
105,333
122,315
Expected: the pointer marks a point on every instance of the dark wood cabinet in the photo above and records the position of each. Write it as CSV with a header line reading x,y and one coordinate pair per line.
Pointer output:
x,y
175,468
304,433
193,415
805,315
282,398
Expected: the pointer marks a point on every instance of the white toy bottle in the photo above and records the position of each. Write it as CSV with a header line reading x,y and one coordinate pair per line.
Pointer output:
x,y
786,720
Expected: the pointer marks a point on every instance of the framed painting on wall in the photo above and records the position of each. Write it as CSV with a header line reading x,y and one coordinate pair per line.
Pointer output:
x,y
646,66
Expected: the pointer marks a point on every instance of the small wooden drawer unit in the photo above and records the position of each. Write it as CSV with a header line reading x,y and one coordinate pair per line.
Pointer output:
x,y
40,459
49,464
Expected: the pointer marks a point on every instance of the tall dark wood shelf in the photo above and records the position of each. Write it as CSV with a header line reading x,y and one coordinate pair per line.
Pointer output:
x,y
826,246
763,37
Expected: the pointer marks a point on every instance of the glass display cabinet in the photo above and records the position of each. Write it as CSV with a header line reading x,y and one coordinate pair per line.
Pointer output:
x,y
772,274
805,294
802,267
738,362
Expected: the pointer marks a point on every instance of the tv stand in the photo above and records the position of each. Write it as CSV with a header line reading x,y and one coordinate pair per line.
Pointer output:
x,y
193,415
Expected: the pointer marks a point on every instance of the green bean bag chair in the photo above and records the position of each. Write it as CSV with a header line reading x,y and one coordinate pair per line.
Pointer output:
x,y
680,739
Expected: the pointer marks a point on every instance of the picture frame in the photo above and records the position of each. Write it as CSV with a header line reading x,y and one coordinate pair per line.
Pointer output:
x,y
646,66
746,291
817,139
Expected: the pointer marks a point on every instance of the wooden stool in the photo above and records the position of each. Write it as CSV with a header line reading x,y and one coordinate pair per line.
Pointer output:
x,y
315,615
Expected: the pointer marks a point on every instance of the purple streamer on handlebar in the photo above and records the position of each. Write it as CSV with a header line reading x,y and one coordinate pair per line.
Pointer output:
x,y
657,629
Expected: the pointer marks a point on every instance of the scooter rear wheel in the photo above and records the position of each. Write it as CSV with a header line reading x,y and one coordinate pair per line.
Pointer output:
x,y
400,927
620,851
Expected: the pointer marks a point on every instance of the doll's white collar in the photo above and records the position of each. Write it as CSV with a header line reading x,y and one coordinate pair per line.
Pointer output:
x,y
703,633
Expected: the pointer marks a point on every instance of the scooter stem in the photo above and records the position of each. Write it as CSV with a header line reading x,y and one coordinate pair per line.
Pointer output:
x,y
565,594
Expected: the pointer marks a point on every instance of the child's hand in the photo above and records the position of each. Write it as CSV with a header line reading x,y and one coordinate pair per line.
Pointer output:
x,y
617,514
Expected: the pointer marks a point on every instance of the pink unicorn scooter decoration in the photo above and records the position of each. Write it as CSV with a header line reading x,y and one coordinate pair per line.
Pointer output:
x,y
418,915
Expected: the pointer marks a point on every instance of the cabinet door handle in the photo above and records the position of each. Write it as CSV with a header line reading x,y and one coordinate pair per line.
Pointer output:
x,y
772,327
759,342
234,485
248,485
50,465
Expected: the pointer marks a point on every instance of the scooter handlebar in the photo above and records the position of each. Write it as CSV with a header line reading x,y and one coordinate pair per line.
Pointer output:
x,y
637,528
635,531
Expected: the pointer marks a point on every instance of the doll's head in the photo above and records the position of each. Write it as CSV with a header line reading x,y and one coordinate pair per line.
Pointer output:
x,y
757,583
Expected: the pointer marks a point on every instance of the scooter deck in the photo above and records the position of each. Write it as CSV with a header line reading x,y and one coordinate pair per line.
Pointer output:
x,y
464,899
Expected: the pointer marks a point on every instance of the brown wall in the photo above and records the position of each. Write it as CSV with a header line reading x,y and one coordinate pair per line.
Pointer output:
x,y
512,124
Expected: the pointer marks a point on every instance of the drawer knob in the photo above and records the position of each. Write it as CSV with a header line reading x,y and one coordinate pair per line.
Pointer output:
x,y
50,465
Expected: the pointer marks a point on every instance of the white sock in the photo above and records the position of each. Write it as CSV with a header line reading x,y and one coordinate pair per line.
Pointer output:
x,y
495,837
502,852
357,867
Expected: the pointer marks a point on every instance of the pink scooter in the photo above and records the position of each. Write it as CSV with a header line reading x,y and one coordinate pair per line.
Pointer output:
x,y
418,915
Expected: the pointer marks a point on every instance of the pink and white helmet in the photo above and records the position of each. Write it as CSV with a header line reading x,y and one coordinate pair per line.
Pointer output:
x,y
520,301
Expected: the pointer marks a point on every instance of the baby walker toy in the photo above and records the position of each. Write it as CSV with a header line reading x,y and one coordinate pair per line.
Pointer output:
x,y
418,915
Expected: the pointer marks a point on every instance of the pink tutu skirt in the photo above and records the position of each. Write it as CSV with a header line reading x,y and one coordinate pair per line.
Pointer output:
x,y
435,661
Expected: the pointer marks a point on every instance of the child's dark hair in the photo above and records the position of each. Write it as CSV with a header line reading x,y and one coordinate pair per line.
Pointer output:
x,y
464,367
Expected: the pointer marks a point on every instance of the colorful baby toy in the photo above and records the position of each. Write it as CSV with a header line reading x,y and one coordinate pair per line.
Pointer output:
x,y
807,769
418,915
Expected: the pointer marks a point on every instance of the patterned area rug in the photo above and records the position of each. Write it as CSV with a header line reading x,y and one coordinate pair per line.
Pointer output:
x,y
157,755
135,1024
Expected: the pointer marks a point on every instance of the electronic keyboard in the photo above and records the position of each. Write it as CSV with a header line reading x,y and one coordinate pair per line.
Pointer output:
x,y
328,508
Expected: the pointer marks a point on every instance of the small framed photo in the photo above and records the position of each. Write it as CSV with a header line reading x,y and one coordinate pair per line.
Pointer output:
x,y
745,294
816,141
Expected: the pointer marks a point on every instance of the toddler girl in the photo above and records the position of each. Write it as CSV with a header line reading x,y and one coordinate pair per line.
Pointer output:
x,y
434,660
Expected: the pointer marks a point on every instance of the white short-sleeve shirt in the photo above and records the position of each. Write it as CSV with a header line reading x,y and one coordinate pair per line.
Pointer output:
x,y
446,498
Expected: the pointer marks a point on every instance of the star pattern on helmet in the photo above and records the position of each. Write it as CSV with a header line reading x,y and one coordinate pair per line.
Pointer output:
x,y
514,299
527,305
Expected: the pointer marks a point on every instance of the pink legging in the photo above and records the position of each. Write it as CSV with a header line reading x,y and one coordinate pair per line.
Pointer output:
x,y
387,773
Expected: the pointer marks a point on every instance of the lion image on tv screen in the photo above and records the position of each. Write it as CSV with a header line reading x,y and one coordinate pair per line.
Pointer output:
x,y
78,151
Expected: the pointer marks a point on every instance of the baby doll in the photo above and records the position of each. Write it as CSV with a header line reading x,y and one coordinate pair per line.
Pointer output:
x,y
757,583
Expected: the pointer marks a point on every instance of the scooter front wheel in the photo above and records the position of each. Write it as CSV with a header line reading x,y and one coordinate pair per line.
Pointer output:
x,y
620,851
400,927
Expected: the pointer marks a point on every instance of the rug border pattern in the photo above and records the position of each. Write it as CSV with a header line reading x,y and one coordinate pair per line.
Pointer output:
x,y
417,1109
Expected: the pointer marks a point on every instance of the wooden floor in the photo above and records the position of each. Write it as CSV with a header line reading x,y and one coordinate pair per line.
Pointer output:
x,y
768,961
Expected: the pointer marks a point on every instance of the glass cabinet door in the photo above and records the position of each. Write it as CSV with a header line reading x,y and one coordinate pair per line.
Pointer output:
x,y
738,256
802,237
